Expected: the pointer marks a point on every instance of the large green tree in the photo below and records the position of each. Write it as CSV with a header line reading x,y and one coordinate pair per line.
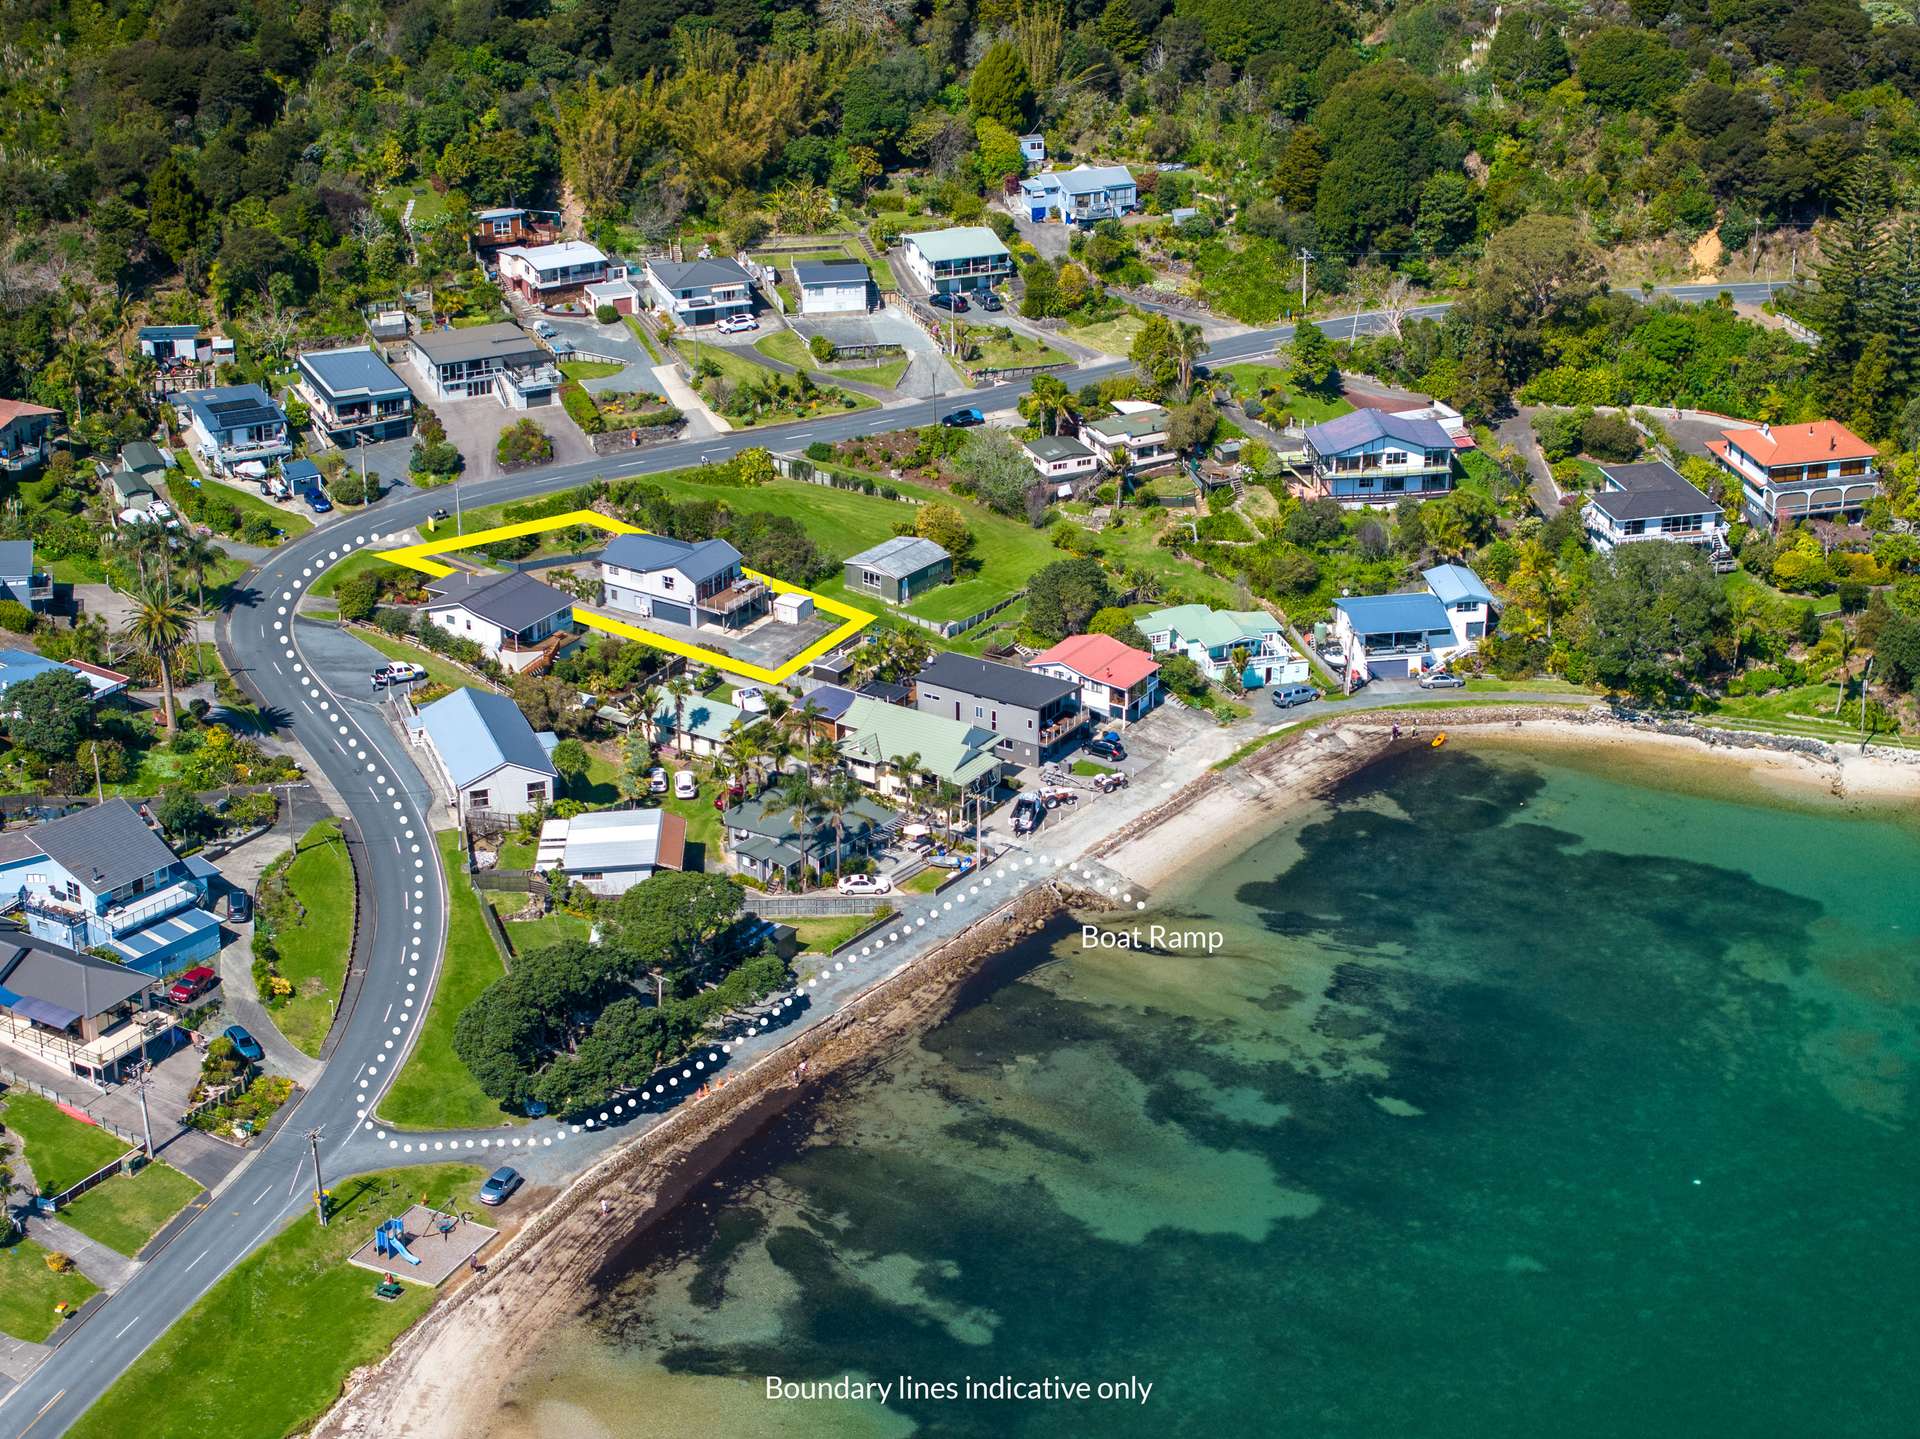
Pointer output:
x,y
1000,90
1385,136
1654,613
1063,597
50,713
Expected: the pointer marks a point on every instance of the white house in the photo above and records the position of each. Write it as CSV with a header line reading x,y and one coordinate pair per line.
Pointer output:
x,y
701,726
1211,638
235,429
833,287
486,754
610,851
549,274
1134,441
622,294
697,585
353,397
1406,635
1116,680
514,618
1651,502
1033,150
966,257
500,360
1371,457
1470,604
699,292
1061,460
1080,196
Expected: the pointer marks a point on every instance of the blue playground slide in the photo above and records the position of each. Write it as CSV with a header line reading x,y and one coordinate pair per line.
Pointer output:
x,y
389,1241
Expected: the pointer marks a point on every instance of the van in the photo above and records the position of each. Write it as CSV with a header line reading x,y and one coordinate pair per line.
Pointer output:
x,y
1287,696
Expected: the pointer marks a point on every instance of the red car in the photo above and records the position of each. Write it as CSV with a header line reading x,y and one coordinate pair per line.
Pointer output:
x,y
192,984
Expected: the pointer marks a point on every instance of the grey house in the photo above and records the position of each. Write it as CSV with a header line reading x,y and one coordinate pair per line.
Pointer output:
x,y
1036,716
899,570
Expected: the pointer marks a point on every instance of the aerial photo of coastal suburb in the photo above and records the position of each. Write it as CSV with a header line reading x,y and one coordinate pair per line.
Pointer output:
x,y
1016,719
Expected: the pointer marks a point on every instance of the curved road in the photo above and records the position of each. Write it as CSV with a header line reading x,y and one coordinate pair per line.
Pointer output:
x,y
388,800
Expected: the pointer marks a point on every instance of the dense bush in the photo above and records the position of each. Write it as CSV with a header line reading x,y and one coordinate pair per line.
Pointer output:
x,y
15,617
524,443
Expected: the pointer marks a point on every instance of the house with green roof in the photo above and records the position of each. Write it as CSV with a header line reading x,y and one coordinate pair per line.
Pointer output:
x,y
704,724
1210,638
877,733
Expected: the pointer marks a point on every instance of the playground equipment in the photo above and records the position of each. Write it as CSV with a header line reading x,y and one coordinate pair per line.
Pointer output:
x,y
390,1242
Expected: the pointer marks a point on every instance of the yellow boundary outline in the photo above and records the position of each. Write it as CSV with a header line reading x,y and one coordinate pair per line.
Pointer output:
x,y
421,557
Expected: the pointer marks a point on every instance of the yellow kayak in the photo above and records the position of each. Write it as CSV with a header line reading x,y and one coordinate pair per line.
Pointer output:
x,y
1439,739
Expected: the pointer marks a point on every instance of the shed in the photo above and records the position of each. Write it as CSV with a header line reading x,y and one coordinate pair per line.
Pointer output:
x,y
899,569
792,609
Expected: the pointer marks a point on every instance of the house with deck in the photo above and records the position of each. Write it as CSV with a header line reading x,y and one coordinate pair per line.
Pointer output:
x,y
234,429
19,666
956,260
699,292
1404,636
476,361
703,725
1651,501
611,850
1214,639
1471,606
1117,681
1080,196
1035,717
486,755
833,287
899,570
701,586
514,618
1371,457
879,738
21,580
81,1014
1811,471
557,273
103,878
508,225
26,435
1132,441
353,397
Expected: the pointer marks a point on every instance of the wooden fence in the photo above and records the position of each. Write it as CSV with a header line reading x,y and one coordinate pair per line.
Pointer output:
x,y
947,629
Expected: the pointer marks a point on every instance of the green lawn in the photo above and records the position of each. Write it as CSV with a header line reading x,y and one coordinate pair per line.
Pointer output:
x,y
589,369
743,371
314,953
926,881
886,374
438,670
60,1149
1090,767
129,1209
599,786
1008,350
1310,407
359,562
881,269
1544,684
1806,711
434,1089
248,503
531,934
645,339
785,347
517,853
29,1290
789,349
824,936
1736,580
266,1351
1110,337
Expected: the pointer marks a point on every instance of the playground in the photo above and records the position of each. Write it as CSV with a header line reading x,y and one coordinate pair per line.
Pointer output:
x,y
423,1246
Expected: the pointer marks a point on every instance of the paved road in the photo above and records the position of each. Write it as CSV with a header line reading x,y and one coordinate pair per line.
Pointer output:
x,y
370,769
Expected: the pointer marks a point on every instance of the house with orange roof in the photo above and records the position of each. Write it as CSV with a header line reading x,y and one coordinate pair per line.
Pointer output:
x,y
26,434
1116,680
1820,470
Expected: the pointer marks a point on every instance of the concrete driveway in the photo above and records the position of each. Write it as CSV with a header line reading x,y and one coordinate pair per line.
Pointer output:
x,y
928,374
474,427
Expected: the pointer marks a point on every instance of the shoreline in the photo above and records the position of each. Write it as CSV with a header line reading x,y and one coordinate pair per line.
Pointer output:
x,y
445,1376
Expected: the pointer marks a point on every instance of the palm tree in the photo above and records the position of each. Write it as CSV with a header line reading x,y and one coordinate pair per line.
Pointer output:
x,y
837,796
1189,346
947,796
681,688
1044,402
797,792
196,556
161,622
905,767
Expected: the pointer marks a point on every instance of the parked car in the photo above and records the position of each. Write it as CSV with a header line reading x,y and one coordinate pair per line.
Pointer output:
x,y
955,304
736,324
960,419
656,781
990,301
440,516
685,786
751,700
500,1185
191,985
1442,680
1287,696
244,1044
544,330
317,501
1106,746
400,672
864,884
1028,811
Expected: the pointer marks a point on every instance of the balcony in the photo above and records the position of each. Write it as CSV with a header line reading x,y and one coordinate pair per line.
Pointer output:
x,y
1052,734
739,595
730,298
139,913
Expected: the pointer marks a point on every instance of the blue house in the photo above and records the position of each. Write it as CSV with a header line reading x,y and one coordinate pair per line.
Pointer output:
x,y
1370,457
102,878
235,428
1080,196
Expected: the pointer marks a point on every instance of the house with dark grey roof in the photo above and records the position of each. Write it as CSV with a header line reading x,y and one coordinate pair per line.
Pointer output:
x,y
764,840
353,396
699,292
514,618
1062,460
486,754
833,287
1036,716
103,878
234,429
474,362
699,585
1651,502
82,1014
1370,457
898,570
20,581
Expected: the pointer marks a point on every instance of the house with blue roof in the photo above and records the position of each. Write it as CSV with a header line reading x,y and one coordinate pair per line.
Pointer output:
x,y
234,429
1082,195
700,585
354,397
1371,457
487,756
102,878
18,666
1404,636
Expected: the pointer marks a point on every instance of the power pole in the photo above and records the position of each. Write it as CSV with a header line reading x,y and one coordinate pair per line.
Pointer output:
x,y
319,1189
1305,255
141,1081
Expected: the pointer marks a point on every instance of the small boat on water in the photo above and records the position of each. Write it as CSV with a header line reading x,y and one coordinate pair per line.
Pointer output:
x,y
1439,739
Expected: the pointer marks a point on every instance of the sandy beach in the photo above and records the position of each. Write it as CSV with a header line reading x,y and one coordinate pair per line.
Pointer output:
x,y
445,1377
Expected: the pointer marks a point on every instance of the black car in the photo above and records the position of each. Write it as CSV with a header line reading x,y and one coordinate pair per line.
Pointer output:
x,y
1106,747
959,419
244,1044
500,1185
956,303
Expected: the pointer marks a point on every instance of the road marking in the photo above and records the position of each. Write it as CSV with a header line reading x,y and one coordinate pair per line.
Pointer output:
x,y
197,1258
276,668
129,1324
261,1195
43,1412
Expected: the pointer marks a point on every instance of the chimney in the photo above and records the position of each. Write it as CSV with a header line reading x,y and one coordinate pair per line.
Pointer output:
x,y
1766,429
1833,442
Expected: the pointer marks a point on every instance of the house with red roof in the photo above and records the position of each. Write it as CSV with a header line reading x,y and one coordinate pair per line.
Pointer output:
x,y
1799,472
1116,680
26,434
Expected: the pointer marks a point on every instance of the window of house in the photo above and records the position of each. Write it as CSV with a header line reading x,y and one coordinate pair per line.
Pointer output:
x,y
979,710
537,793
870,579
503,227
590,876
478,798
1394,457
666,582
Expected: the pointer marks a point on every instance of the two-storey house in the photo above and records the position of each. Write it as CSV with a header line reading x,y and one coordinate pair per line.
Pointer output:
x,y
84,1015
476,361
101,878
1651,502
1116,680
1799,472
552,274
1131,442
26,435
1080,196
1404,636
20,581
1470,604
699,292
1034,717
234,429
897,750
353,396
515,619
966,257
696,585
1216,640
506,225
1369,457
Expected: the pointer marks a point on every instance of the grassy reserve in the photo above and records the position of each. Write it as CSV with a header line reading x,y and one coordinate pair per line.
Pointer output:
x,y
29,1290
314,953
129,1209
59,1149
267,1349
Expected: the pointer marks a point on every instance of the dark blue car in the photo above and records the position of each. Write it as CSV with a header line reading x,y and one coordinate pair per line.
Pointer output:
x,y
317,501
244,1044
959,419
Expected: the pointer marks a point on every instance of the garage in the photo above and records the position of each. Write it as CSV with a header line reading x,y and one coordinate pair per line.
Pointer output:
x,y
675,614
1388,669
833,287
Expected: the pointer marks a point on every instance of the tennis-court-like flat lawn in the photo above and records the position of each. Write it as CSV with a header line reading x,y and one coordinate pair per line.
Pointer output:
x,y
60,1150
29,1290
129,1209
313,953
824,936
745,372
531,934
1110,337
1309,407
434,1089
789,349
589,369
265,1352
